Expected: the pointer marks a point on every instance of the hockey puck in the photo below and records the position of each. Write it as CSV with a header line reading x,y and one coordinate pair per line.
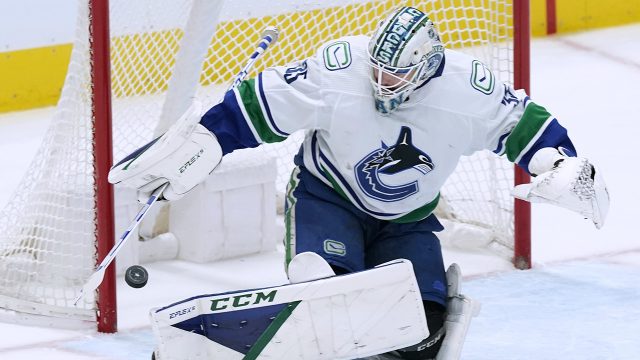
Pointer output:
x,y
136,276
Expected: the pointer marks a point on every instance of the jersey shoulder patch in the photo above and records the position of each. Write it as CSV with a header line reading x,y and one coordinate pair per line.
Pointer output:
x,y
337,55
482,79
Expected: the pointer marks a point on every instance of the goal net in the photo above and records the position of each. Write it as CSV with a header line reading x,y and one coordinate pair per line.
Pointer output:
x,y
163,53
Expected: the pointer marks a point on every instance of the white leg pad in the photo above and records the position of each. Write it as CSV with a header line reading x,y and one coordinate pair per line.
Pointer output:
x,y
460,310
337,317
308,266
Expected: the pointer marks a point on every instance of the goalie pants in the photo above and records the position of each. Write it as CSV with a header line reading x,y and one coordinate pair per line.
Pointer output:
x,y
320,220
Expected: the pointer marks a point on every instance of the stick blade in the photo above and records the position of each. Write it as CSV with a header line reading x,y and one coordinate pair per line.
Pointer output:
x,y
91,285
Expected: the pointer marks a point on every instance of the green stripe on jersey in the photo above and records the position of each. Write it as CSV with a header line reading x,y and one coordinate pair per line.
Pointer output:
x,y
418,214
526,130
289,219
251,104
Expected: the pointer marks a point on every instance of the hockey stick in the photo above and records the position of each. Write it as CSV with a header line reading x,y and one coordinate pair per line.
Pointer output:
x,y
269,36
96,278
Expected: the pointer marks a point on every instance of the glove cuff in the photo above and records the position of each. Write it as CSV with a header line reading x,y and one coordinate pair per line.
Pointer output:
x,y
544,160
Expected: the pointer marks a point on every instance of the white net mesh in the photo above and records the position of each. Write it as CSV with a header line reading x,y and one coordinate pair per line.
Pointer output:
x,y
47,231
47,228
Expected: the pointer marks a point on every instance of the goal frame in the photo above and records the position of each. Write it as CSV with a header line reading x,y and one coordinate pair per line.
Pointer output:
x,y
521,79
106,307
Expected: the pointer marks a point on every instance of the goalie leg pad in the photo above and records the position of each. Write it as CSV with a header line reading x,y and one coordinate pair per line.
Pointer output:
x,y
429,347
340,317
460,310
308,266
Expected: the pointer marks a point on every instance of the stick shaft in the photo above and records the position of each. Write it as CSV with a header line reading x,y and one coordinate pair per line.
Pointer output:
x,y
96,278
269,37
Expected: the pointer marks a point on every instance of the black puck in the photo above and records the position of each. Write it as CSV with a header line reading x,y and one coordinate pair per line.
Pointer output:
x,y
136,276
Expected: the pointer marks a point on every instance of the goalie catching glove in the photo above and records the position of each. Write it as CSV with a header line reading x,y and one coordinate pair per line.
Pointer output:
x,y
570,182
182,157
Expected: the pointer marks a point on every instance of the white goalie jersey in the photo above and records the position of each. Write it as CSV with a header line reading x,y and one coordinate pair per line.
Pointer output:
x,y
390,166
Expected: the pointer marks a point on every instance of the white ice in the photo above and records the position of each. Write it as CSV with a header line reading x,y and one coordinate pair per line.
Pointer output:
x,y
581,300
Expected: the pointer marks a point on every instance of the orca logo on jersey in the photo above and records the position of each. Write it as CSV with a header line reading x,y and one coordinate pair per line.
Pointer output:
x,y
390,160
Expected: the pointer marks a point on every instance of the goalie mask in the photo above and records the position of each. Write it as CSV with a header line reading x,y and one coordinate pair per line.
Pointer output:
x,y
404,52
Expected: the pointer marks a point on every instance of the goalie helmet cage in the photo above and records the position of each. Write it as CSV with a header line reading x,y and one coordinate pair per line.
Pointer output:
x,y
59,222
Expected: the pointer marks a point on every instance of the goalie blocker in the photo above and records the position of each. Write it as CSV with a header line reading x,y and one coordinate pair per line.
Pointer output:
x,y
350,316
182,158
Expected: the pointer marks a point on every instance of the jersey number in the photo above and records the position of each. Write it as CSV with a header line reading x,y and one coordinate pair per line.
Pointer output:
x,y
292,73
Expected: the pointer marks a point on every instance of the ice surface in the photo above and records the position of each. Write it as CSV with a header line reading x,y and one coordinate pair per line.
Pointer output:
x,y
576,310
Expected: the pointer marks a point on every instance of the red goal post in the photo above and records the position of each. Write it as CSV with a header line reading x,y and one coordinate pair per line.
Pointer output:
x,y
106,314
522,71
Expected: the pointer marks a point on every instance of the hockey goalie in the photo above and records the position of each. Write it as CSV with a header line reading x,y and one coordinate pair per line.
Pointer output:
x,y
387,117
